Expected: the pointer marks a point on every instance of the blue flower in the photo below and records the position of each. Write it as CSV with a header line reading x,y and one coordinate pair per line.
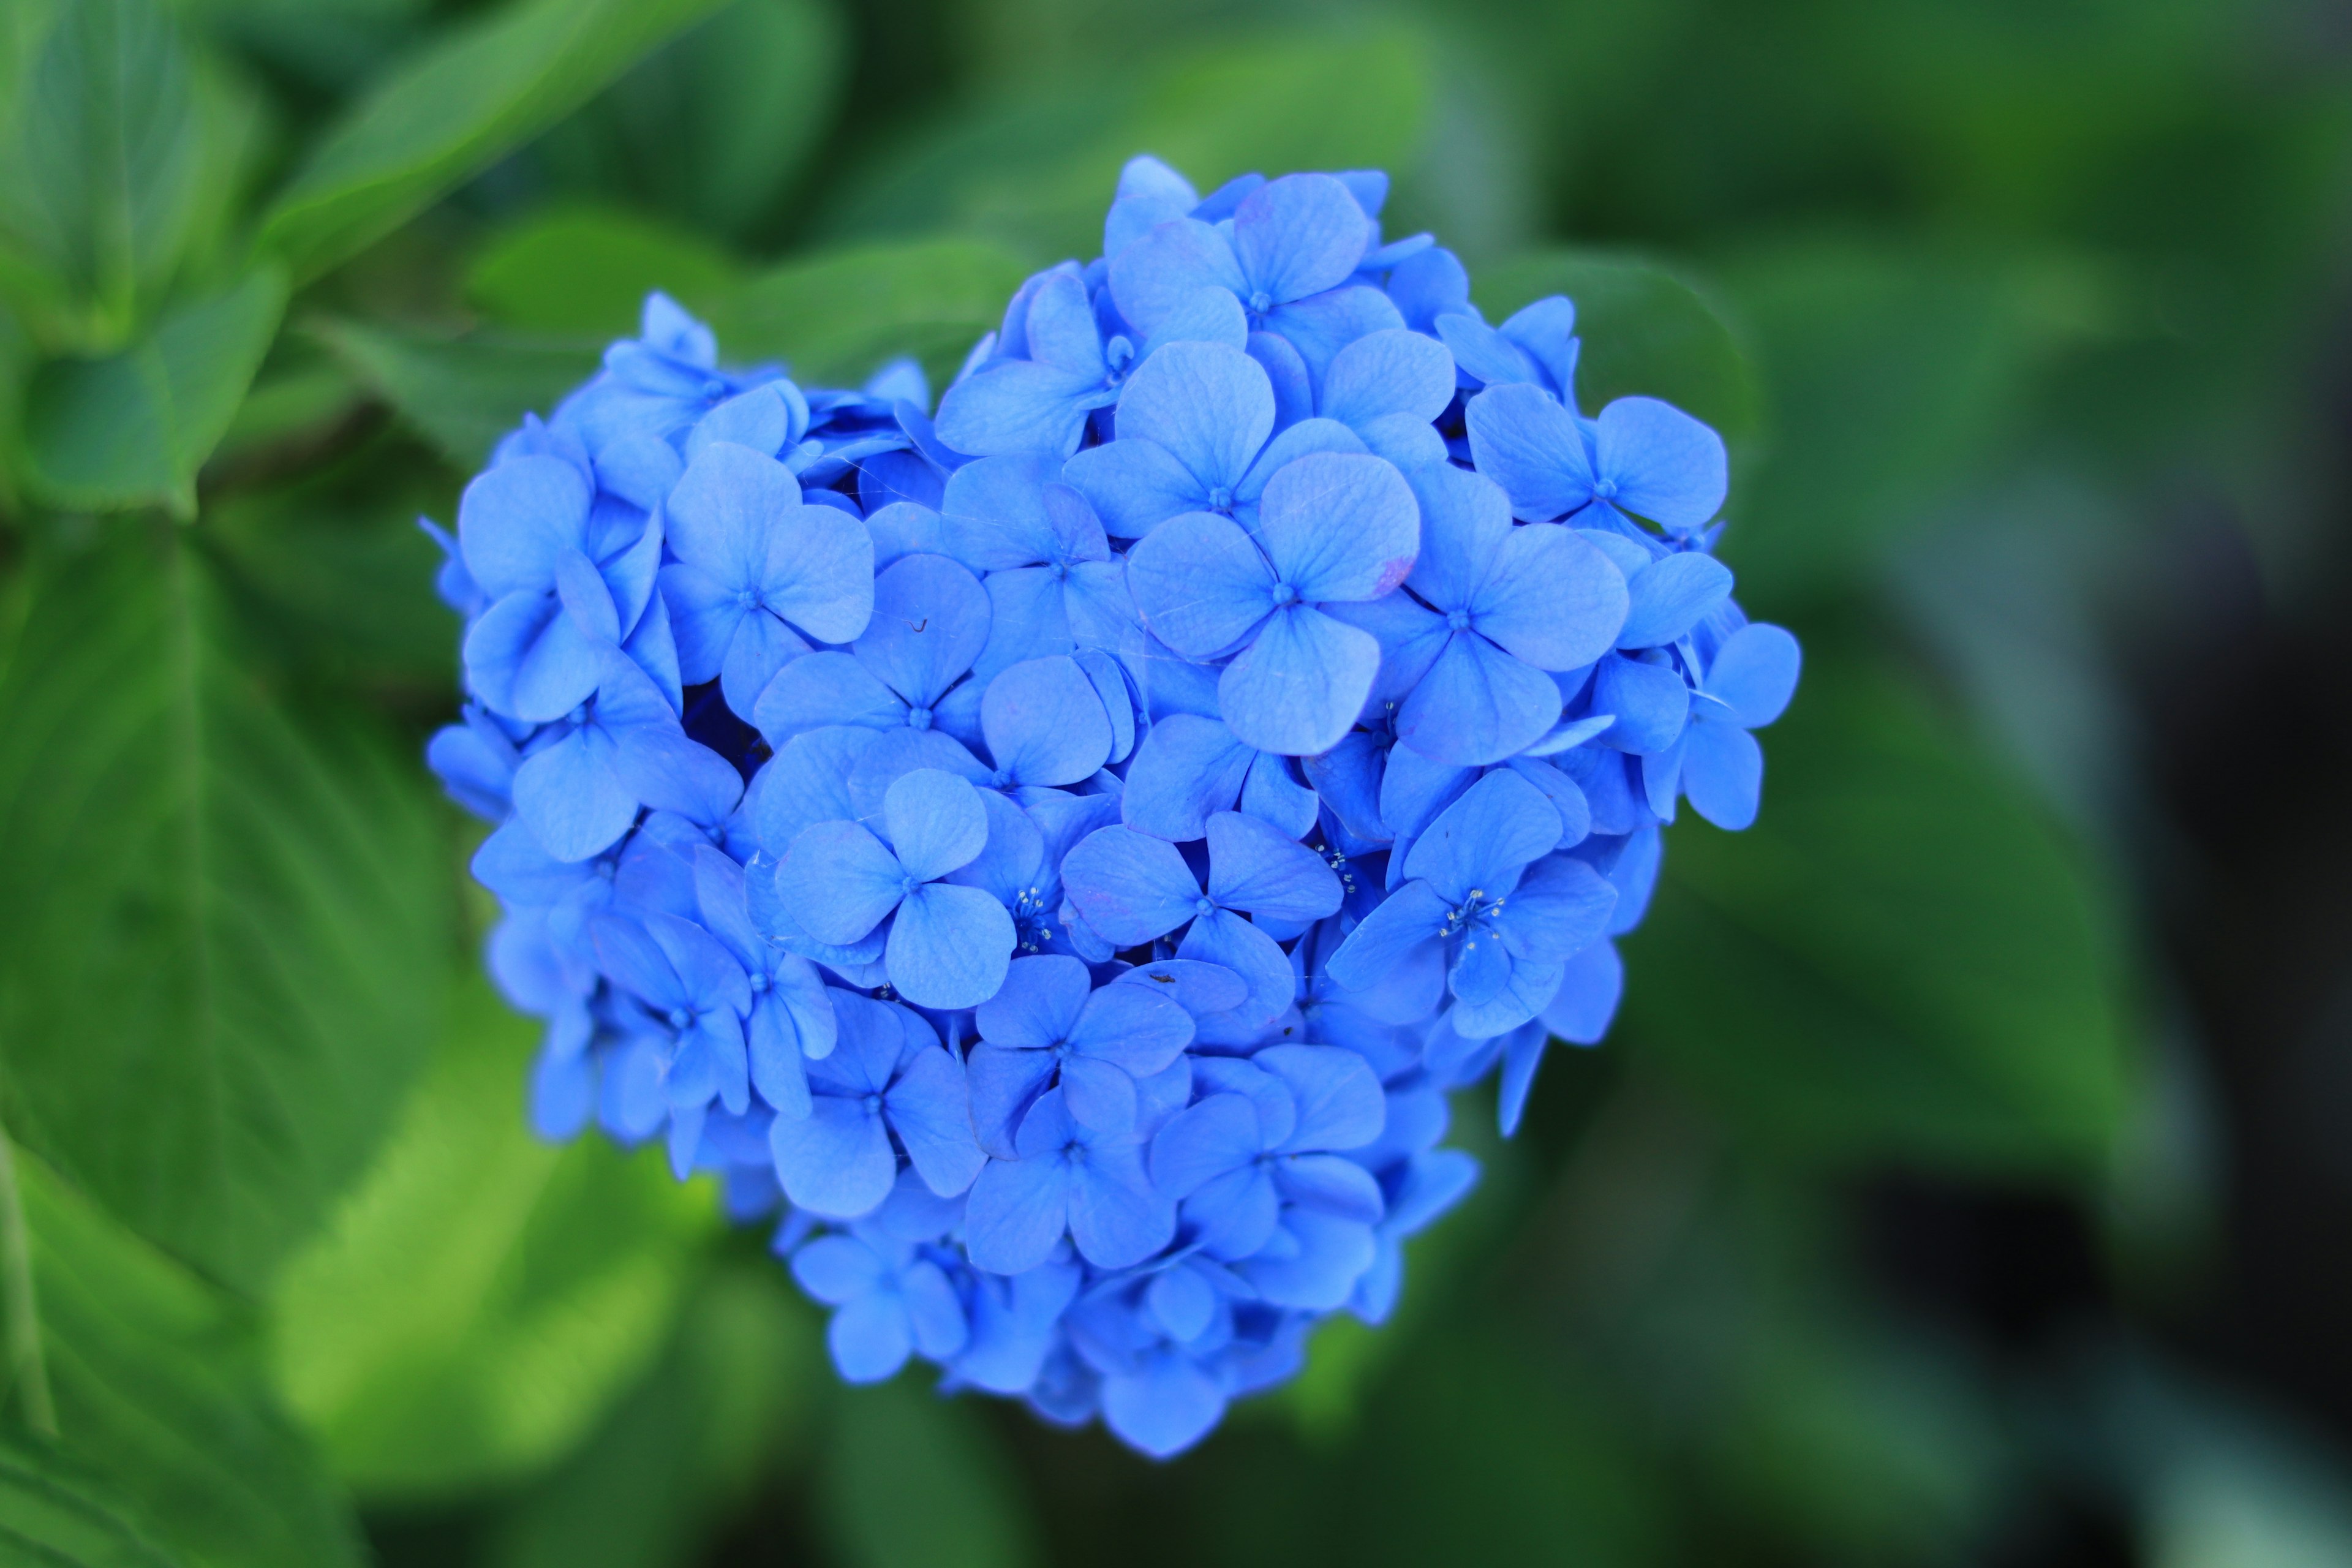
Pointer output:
x,y
1134,888
1482,881
1715,761
890,1298
1068,1179
1050,1025
1052,586
949,946
1334,527
1537,346
888,1076
928,625
687,982
755,569
1188,767
1643,457
583,778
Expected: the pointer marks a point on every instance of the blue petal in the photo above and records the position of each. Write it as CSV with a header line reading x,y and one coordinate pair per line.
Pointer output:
x,y
929,1108
948,946
1722,774
1208,405
1116,1218
1755,671
758,419
1477,705
805,783
1552,599
1045,723
1018,1209
1135,1027
1166,1409
1340,526
1285,373
838,880
1253,866
1331,1255
836,1161
870,1339
1130,887
527,659
1336,1095
1330,1185
1410,916
1038,1005
935,821
761,646
1021,408
1666,466
570,797
1669,596
1299,234
1483,353
903,528
1501,824
1529,445
934,1310
1589,986
1005,1082
1102,1097
1388,373
930,621
1428,285
718,517
1135,486
1297,688
1649,702
996,514
838,1269
1223,937
1200,584
824,688
1186,768
1559,908
1207,315
1321,325
1156,274
514,518
819,573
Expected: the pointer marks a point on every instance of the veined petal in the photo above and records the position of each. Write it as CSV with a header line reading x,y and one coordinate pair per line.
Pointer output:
x,y
1209,406
1200,584
1297,688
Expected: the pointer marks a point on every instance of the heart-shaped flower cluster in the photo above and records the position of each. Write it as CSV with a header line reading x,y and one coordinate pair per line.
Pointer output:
x,y
1060,852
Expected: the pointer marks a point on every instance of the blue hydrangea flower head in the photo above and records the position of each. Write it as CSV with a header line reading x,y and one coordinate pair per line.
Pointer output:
x,y
1053,852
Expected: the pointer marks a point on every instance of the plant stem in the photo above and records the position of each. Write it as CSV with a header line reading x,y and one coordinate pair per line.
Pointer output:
x,y
26,1368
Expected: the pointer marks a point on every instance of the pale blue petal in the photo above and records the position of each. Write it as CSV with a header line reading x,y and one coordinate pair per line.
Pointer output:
x,y
1200,584
1164,1410
1411,915
1038,1005
572,798
935,821
1156,274
1297,688
1649,702
1116,1218
930,621
824,688
929,1108
1045,723
1223,937
1477,705
806,782
996,514
1332,1254
948,946
1589,986
903,528
1137,1027
1666,466
1669,596
1340,526
1336,1095
819,573
836,1161
838,880
1208,405
1285,373
1722,774
1298,236
719,516
1129,886
1330,1185
1526,442
1501,824
1017,1211
1320,325
1186,768
1388,373
513,520
1102,1097
1755,671
1559,908
1254,866
1135,486
1004,1083
870,1339
1551,599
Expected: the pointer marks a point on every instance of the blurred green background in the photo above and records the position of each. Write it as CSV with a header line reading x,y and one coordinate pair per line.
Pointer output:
x,y
1966,1182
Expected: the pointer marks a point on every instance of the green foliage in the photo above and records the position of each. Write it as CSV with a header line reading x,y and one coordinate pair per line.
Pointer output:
x,y
467,98
223,926
708,1432
1645,331
837,315
461,394
892,1442
53,1512
158,1385
586,271
1903,959
132,429
482,1297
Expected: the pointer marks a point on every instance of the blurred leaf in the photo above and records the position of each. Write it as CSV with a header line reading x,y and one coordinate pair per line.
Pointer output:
x,y
100,157
481,1297
463,394
694,1442
1644,330
157,1377
712,129
911,1481
132,429
53,1512
223,931
584,272
469,96
1894,375
836,316
1903,959
1036,171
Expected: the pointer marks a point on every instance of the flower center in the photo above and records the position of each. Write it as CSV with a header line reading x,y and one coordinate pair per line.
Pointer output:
x,y
1459,620
679,1017
1119,354
1205,906
760,982
919,718
1604,489
874,1103
1471,911
746,597
1261,302
1284,594
714,388
1221,498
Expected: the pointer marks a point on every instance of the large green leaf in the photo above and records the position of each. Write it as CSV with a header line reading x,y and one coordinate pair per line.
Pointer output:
x,y
712,127
99,166
584,271
224,933
158,1382
1036,170
469,97
1905,957
836,316
696,1441
463,394
482,1296
53,1512
132,429
1643,329
895,1442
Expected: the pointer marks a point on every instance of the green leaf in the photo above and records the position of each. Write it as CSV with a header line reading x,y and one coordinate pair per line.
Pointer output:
x,y
584,272
1893,377
469,97
835,317
132,429
100,161
895,1442
224,930
699,1438
158,1379
462,393
53,1512
1645,331
712,129
1904,958
482,1297
1035,171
